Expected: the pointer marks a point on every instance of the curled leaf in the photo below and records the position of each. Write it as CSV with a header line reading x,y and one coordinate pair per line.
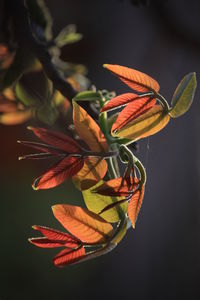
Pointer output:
x,y
135,205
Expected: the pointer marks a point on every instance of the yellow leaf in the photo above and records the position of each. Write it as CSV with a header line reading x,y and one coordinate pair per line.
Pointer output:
x,y
145,125
82,223
14,118
96,203
93,171
88,129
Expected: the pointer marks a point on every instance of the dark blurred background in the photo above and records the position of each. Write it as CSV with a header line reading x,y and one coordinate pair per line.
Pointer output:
x,y
161,258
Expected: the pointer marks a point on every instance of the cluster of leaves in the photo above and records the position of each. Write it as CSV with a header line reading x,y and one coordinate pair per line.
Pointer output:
x,y
26,88
112,195
112,198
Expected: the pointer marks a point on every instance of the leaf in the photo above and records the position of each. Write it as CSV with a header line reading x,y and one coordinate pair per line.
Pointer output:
x,y
119,101
132,111
24,96
116,187
56,139
82,223
68,256
96,203
15,118
183,95
87,96
58,236
136,80
47,114
7,106
145,125
93,171
135,205
43,242
58,173
88,129
68,35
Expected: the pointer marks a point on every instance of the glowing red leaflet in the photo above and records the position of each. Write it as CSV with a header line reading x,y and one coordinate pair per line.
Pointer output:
x,y
73,252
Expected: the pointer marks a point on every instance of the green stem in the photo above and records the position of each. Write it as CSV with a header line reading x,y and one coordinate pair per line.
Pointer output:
x,y
163,101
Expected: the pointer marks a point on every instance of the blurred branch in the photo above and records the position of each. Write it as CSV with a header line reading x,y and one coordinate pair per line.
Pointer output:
x,y
28,39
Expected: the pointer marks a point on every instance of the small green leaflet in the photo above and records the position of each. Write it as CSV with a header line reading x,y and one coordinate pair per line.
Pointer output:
x,y
183,95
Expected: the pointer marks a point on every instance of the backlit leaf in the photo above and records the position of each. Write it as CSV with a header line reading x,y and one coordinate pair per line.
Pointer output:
x,y
135,205
68,256
43,242
96,203
58,173
93,171
56,139
61,237
88,130
183,95
136,80
132,111
145,125
115,187
15,118
119,101
82,223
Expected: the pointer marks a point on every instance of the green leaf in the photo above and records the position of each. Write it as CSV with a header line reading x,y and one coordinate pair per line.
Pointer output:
x,y
68,35
96,203
87,96
183,95
24,95
47,114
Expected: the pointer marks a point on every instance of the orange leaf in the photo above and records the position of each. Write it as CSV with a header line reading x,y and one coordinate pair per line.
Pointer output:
x,y
68,256
43,242
82,223
56,139
16,117
116,187
132,111
93,171
61,171
135,205
136,80
119,101
88,129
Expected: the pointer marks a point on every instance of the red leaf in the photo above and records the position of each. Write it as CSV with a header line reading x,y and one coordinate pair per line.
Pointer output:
x,y
135,205
43,242
116,187
57,139
61,237
119,101
58,173
68,256
41,147
136,80
132,111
